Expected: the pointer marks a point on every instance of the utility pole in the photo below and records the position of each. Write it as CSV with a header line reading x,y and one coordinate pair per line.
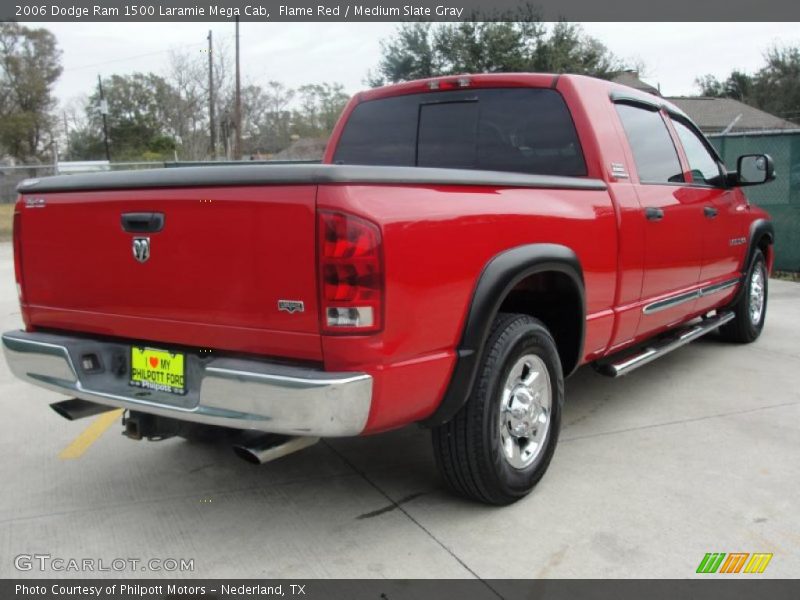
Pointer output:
x,y
237,146
211,119
104,112
66,134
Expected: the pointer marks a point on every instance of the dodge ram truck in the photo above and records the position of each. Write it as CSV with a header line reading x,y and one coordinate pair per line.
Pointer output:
x,y
466,243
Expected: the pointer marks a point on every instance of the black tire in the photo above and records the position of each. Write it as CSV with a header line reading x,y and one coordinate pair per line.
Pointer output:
x,y
468,449
743,329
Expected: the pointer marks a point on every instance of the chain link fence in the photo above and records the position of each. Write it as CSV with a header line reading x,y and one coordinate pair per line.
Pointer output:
x,y
10,177
781,198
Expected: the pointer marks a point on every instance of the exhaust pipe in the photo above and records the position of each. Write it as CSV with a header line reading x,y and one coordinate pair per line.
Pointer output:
x,y
76,408
266,448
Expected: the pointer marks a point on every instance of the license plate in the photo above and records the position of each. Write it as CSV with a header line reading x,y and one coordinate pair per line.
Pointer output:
x,y
158,370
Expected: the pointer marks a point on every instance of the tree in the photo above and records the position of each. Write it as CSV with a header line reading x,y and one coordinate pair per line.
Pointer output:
x,y
137,116
738,85
30,63
567,49
187,110
408,55
266,118
83,139
777,85
320,107
419,50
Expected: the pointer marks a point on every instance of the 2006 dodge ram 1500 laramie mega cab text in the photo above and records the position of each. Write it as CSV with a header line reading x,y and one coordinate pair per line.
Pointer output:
x,y
466,243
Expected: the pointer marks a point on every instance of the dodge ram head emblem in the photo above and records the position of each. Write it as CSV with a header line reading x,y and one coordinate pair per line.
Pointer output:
x,y
141,248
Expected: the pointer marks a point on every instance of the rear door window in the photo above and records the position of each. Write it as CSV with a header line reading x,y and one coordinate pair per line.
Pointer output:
x,y
653,151
518,129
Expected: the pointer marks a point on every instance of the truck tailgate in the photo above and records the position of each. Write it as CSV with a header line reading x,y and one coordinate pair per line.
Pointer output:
x,y
215,273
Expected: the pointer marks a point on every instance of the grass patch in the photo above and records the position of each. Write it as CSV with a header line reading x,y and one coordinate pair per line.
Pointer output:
x,y
786,276
6,221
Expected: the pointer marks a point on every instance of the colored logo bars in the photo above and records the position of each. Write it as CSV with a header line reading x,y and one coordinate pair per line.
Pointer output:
x,y
716,562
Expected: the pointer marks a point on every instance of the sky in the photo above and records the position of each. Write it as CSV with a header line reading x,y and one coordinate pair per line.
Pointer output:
x,y
673,54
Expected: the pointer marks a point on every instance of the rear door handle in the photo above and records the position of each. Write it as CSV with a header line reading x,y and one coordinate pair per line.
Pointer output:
x,y
710,212
653,214
142,222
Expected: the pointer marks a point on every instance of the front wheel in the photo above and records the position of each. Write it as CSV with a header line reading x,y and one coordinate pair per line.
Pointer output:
x,y
499,445
750,309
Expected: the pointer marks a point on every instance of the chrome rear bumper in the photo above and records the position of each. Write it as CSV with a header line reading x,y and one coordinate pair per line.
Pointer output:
x,y
231,392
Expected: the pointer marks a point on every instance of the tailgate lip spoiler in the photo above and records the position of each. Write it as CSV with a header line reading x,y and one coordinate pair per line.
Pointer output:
x,y
300,174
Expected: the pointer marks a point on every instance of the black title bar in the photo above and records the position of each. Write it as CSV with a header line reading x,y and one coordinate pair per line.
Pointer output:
x,y
399,10
707,588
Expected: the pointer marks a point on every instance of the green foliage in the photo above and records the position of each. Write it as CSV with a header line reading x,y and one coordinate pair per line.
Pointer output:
x,y
136,115
85,144
147,119
774,88
30,63
320,107
419,50
778,83
738,85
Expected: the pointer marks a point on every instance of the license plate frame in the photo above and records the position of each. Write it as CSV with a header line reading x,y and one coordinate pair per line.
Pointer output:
x,y
158,370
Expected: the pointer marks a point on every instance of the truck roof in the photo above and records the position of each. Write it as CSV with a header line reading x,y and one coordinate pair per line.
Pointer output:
x,y
543,80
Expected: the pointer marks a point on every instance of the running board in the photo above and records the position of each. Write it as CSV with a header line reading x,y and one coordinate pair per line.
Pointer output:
x,y
661,346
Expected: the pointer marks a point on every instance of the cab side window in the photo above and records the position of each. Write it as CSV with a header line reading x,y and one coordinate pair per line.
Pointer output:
x,y
704,167
653,151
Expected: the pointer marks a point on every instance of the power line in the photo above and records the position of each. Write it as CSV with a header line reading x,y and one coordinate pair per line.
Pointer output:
x,y
126,58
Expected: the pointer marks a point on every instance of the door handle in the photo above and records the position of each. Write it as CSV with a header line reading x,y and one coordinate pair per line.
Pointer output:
x,y
142,222
710,212
653,214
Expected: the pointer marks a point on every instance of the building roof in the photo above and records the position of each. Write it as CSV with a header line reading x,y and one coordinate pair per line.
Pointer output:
x,y
631,79
714,115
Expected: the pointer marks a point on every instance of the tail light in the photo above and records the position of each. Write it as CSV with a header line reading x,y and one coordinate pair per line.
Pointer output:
x,y
17,236
350,273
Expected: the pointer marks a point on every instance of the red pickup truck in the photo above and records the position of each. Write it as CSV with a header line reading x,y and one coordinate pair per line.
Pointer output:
x,y
467,243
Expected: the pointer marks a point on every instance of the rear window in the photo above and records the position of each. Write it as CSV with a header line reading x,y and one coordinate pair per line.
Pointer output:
x,y
520,130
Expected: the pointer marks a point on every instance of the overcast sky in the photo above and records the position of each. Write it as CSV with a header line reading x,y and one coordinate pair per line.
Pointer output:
x,y
296,53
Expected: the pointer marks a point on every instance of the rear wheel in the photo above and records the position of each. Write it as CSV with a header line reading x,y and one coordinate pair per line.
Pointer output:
x,y
499,445
750,310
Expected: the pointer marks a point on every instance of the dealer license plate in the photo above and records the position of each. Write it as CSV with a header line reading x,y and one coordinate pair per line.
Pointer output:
x,y
158,370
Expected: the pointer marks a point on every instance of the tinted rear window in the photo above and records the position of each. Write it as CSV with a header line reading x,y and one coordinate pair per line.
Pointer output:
x,y
520,130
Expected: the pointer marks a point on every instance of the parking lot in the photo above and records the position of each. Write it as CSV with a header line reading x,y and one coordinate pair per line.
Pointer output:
x,y
698,452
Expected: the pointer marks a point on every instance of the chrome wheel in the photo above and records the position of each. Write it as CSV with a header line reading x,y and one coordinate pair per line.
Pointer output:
x,y
525,410
757,293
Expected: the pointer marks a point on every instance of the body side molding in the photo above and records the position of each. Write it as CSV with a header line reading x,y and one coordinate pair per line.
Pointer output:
x,y
680,298
500,275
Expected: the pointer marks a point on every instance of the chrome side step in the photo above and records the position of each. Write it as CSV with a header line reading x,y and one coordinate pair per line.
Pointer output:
x,y
661,346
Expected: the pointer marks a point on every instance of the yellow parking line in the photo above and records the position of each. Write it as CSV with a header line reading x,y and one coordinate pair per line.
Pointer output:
x,y
90,435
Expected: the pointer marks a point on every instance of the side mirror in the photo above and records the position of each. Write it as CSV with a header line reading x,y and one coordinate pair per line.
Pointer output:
x,y
754,169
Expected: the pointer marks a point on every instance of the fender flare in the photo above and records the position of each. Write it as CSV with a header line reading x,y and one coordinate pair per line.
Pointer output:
x,y
500,275
759,229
